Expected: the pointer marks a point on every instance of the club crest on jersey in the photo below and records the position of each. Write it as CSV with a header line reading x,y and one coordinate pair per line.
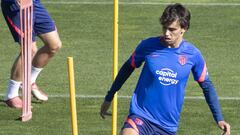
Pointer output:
x,y
182,59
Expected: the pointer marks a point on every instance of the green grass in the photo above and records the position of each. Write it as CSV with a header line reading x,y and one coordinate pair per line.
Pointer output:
x,y
53,118
86,33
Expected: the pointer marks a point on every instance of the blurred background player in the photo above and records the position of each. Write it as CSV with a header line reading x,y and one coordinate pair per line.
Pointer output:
x,y
43,27
157,101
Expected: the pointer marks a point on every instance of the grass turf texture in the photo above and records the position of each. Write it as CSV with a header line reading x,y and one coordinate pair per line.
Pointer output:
x,y
86,33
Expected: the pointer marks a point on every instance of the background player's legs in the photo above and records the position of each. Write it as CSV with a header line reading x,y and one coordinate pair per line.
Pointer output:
x,y
51,46
41,58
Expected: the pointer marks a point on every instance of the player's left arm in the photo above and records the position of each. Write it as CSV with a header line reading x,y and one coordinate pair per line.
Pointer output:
x,y
200,74
213,103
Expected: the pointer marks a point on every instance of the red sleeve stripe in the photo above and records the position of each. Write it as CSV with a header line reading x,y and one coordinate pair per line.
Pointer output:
x,y
204,72
133,60
15,27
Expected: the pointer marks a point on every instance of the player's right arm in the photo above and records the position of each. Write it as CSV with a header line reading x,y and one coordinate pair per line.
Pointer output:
x,y
134,61
124,73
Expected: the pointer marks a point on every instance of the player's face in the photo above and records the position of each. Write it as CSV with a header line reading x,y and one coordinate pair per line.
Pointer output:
x,y
173,34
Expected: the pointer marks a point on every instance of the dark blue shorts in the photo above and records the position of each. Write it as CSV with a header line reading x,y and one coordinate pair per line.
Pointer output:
x,y
42,22
144,126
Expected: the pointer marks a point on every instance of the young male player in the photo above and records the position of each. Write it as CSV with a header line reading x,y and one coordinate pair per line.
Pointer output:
x,y
157,101
43,27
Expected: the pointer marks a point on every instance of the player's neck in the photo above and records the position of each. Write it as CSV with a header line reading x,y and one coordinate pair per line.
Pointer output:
x,y
173,45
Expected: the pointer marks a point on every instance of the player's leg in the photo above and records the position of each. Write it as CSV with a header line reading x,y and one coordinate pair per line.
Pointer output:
x,y
51,46
45,28
12,96
16,71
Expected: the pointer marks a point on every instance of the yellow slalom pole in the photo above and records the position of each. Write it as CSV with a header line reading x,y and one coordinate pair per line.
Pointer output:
x,y
115,65
72,96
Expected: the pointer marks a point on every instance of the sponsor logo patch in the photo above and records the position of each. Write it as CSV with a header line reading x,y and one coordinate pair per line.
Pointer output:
x,y
167,76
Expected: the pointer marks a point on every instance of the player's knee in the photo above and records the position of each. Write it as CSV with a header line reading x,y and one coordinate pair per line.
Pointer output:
x,y
53,49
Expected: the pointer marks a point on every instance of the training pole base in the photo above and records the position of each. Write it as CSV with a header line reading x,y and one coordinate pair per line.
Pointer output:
x,y
26,117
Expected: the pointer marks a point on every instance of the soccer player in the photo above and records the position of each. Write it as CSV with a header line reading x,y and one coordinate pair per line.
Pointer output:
x,y
157,101
43,27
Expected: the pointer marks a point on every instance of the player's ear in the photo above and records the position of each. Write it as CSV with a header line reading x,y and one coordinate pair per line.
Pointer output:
x,y
183,31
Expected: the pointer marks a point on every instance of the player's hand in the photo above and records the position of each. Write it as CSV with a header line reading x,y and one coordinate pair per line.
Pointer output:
x,y
225,127
18,2
104,108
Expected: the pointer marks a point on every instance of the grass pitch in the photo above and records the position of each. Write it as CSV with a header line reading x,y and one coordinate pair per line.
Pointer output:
x,y
86,32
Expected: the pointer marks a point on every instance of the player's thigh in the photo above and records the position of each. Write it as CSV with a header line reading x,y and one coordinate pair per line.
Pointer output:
x,y
128,131
51,39
44,26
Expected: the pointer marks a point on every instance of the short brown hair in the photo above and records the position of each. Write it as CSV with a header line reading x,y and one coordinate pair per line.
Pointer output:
x,y
176,12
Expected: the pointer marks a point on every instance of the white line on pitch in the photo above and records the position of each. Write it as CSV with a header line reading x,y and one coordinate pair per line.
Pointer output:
x,y
127,97
137,3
